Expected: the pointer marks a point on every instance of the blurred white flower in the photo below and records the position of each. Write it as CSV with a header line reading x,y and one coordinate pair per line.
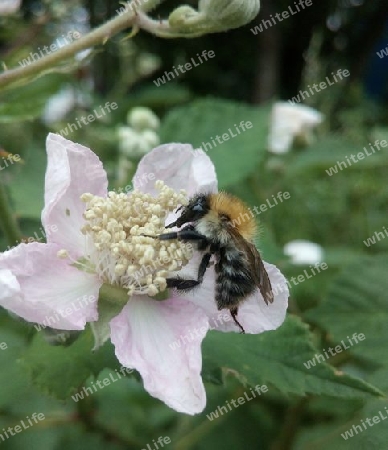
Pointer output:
x,y
303,252
136,139
61,103
151,138
143,118
147,63
132,142
8,7
289,122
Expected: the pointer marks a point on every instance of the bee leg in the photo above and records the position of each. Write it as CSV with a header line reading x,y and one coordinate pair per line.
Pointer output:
x,y
233,312
187,234
185,285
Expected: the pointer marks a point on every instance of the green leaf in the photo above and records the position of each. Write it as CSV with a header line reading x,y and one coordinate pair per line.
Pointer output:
x,y
27,197
357,303
327,151
277,358
235,155
28,101
11,375
60,371
157,97
330,435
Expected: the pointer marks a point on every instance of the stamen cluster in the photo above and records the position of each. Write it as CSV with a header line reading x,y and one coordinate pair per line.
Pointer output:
x,y
118,230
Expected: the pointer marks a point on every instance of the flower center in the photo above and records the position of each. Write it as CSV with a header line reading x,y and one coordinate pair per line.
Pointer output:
x,y
117,229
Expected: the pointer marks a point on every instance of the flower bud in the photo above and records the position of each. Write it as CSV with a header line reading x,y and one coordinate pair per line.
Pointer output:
x,y
229,14
183,17
213,16
141,118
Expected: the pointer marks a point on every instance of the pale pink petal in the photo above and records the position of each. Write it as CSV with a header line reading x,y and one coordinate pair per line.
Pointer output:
x,y
254,314
39,287
179,166
72,170
9,284
149,336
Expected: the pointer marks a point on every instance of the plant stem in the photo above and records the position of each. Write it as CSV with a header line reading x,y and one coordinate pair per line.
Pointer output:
x,y
7,220
98,36
288,432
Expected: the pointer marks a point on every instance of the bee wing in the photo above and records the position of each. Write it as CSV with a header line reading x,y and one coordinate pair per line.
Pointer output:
x,y
259,273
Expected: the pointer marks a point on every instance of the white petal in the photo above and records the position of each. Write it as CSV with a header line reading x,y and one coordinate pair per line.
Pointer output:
x,y
179,166
254,314
39,287
148,336
72,171
303,252
9,7
9,285
289,121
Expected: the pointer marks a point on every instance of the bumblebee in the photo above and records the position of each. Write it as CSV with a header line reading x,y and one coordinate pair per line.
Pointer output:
x,y
222,225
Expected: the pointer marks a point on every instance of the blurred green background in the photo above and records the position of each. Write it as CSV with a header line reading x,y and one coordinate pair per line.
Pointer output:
x,y
304,408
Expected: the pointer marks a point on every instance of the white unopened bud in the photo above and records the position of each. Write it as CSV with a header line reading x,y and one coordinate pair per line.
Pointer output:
x,y
150,138
229,14
213,16
182,17
142,119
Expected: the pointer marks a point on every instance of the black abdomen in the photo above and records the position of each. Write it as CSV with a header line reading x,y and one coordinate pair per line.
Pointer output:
x,y
234,281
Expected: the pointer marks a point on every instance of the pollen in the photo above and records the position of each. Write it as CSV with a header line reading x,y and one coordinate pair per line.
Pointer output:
x,y
121,232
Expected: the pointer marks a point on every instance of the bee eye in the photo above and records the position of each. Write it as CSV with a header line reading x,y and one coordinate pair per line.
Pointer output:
x,y
224,217
198,207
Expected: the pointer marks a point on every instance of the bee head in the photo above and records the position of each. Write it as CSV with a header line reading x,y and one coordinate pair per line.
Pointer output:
x,y
197,207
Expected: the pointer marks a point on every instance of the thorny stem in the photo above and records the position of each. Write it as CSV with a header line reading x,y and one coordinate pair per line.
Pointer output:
x,y
96,37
